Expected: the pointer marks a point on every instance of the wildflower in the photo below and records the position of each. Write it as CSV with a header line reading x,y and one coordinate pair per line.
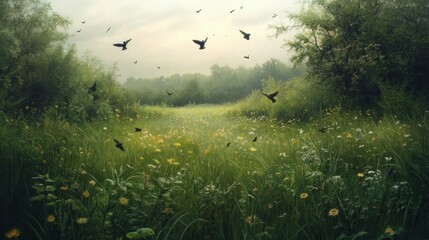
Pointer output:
x,y
177,145
190,152
123,201
167,210
13,233
83,172
51,218
157,150
156,161
253,149
349,135
85,194
389,231
82,220
250,219
92,183
360,175
283,154
172,161
240,138
333,212
141,158
270,205
303,195
64,188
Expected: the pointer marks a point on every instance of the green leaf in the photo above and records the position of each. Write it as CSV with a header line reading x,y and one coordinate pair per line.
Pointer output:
x,y
132,235
51,197
146,232
39,197
50,188
38,187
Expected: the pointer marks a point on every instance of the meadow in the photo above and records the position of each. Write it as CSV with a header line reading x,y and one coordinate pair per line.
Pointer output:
x,y
342,176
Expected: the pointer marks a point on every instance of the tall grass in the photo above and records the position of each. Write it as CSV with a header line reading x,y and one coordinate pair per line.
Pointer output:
x,y
178,178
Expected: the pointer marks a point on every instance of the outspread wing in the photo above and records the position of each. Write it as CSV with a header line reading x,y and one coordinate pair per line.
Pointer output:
x,y
243,33
116,141
118,45
128,41
206,39
197,42
274,94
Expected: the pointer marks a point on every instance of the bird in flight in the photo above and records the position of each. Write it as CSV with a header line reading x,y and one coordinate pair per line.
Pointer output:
x,y
245,35
229,143
201,43
169,93
84,22
138,129
135,62
274,15
158,67
108,29
119,145
93,88
79,30
123,45
247,56
254,140
198,11
232,11
271,96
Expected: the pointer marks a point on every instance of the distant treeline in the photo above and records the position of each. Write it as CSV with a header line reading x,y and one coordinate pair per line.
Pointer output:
x,y
224,84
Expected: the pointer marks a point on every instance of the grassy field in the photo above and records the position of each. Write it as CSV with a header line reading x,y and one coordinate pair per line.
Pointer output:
x,y
343,176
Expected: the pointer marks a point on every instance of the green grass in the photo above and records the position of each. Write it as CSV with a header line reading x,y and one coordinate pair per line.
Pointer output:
x,y
178,178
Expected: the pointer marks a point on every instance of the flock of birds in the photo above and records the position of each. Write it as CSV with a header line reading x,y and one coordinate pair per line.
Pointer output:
x,y
202,45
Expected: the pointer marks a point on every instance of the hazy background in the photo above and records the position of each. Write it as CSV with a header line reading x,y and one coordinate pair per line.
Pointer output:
x,y
162,32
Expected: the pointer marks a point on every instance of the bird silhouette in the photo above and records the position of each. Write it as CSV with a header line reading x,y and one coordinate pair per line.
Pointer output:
x,y
138,129
158,67
119,145
201,43
271,96
93,88
108,29
247,56
169,93
241,7
274,15
135,62
84,22
323,129
232,11
123,45
245,35
254,140
198,11
79,30
229,143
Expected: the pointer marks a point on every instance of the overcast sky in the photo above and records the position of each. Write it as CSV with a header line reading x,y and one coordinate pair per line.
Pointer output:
x,y
162,32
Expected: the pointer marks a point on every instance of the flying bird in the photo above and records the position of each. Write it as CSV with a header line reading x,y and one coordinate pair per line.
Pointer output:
x,y
93,88
254,140
232,11
201,43
169,93
271,96
108,29
247,56
119,145
158,67
123,45
84,22
229,143
245,35
138,129
323,129
135,62
198,11
79,30
274,15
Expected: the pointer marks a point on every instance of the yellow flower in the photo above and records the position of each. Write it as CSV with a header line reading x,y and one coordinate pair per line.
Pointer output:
x,y
167,210
333,212
64,188
177,145
82,220
389,231
240,138
270,205
349,135
85,194
360,174
303,195
250,219
51,218
157,150
13,233
171,161
253,149
123,201
190,152
92,183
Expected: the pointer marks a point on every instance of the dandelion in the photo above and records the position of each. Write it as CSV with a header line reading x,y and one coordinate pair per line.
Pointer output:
x,y
349,135
157,150
303,195
123,201
85,194
253,149
389,231
13,233
177,145
92,183
172,161
240,138
82,220
51,218
333,212
360,175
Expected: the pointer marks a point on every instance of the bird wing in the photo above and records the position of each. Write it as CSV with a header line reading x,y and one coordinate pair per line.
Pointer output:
x,y
206,39
274,94
116,141
128,41
118,44
243,33
197,42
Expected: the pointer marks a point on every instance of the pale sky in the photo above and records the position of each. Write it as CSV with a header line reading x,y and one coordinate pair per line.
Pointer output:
x,y
162,32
